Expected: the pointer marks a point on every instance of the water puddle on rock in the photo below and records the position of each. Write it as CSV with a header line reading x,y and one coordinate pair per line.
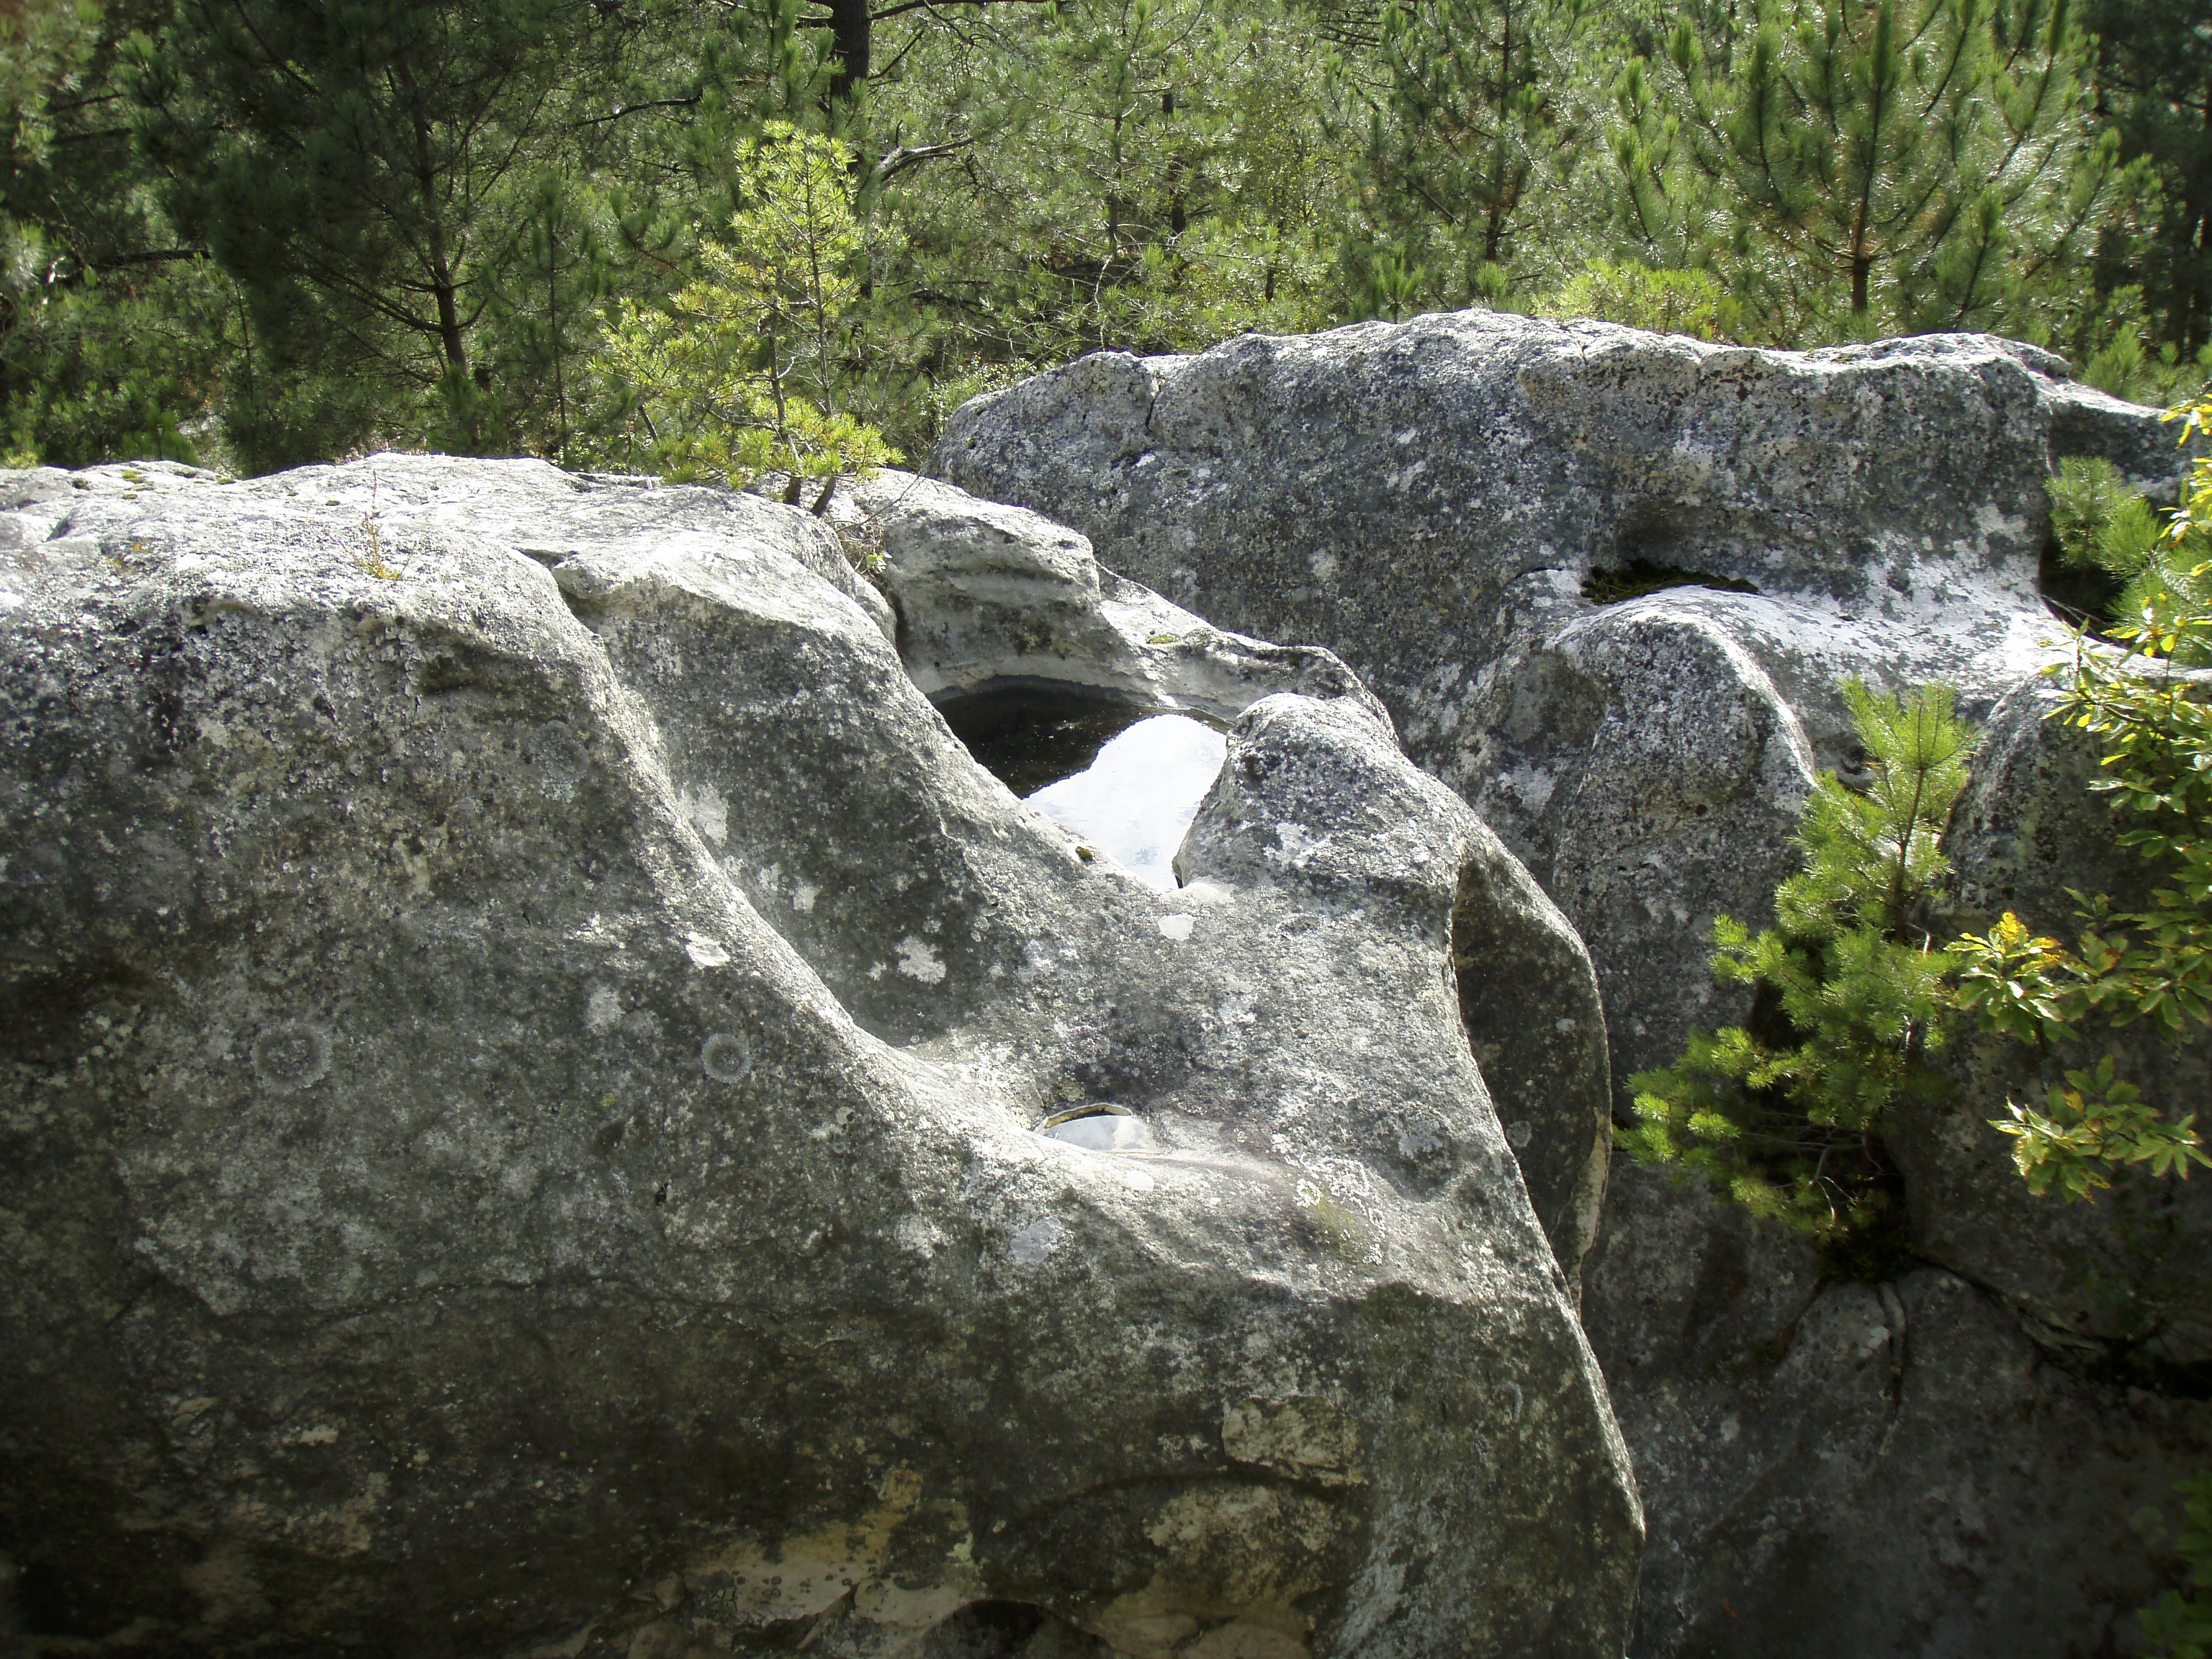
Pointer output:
x,y
1129,784
1138,799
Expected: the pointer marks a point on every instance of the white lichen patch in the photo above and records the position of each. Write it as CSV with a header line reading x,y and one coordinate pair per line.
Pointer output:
x,y
706,952
706,809
918,959
1303,1437
1295,846
1038,1240
603,1010
920,1235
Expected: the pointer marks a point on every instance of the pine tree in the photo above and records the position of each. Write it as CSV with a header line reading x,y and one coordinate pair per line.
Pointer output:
x,y
744,374
2153,70
1785,1116
1864,164
1479,123
2154,964
354,164
112,329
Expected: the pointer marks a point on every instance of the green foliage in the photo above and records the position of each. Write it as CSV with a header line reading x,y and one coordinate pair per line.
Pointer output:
x,y
2178,1625
101,368
744,376
2110,334
345,221
112,337
2152,965
2153,74
2102,524
1146,174
1467,147
1690,302
1907,165
1786,1121
353,149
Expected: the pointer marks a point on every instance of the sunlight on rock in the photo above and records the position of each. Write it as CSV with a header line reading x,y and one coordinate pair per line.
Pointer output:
x,y
1140,795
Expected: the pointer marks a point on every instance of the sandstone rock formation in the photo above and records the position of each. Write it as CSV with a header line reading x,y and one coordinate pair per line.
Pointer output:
x,y
1608,585
529,1101
1429,499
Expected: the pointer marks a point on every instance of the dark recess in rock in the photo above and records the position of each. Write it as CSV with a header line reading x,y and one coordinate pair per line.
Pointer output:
x,y
1030,732
1610,584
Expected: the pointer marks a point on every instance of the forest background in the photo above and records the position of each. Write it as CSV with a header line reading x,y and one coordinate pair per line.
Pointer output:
x,y
258,233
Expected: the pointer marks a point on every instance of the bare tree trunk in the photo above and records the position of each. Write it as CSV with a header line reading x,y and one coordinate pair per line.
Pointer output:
x,y
850,29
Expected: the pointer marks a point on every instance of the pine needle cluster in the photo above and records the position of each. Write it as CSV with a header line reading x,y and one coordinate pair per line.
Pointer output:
x,y
1785,1115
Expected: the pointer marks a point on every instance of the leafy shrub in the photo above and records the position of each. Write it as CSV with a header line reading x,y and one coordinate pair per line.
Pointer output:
x,y
1787,1120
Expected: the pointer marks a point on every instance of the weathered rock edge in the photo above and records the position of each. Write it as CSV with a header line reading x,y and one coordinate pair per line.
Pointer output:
x,y
1428,499
522,1085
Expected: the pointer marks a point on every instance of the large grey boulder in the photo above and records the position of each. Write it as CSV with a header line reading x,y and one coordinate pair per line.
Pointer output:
x,y
1432,501
528,1049
1849,1471
1429,499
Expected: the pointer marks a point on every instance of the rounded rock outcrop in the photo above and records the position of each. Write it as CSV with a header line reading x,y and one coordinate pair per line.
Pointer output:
x,y
527,1032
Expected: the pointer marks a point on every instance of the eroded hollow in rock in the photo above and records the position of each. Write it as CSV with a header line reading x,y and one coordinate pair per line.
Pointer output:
x,y
1000,1630
1639,576
1100,1127
1028,733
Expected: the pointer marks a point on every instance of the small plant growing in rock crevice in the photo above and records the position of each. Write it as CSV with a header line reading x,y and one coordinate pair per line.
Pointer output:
x,y
2177,1625
1785,1115
371,557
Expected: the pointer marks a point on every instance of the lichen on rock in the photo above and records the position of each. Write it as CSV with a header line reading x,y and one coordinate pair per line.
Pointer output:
x,y
528,1040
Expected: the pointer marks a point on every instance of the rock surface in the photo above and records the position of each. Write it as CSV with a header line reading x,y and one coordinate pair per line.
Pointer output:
x,y
522,1117
986,595
1430,499
1464,507
1846,1471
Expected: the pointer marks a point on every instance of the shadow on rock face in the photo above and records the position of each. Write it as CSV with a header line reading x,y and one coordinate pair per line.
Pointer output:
x,y
1036,732
544,1154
